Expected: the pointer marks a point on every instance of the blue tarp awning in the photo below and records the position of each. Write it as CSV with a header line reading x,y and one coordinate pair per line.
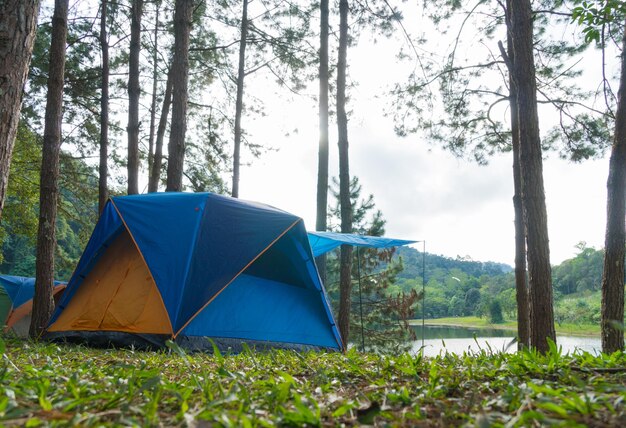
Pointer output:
x,y
323,242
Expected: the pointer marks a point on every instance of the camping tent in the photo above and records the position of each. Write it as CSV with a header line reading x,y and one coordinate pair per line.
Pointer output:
x,y
16,302
194,266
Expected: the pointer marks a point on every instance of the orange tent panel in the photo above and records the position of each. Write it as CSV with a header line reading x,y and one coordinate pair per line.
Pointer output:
x,y
119,294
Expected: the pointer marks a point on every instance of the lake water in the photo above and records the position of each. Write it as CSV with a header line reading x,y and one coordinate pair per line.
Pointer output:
x,y
442,339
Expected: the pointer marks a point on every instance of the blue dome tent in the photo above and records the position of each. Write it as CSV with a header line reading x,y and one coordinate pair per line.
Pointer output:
x,y
196,268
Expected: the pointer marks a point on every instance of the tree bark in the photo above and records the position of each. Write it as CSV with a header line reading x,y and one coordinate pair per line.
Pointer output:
x,y
239,101
18,22
133,97
180,78
155,77
521,283
103,170
531,169
49,186
521,279
155,173
345,277
615,239
322,169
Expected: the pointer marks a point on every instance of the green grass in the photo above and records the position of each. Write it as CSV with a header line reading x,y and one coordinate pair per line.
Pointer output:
x,y
48,384
476,322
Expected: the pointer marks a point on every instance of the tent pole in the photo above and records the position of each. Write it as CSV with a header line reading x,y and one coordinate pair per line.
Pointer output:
x,y
358,271
423,290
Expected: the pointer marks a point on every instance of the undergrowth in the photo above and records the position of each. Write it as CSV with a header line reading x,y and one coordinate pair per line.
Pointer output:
x,y
50,384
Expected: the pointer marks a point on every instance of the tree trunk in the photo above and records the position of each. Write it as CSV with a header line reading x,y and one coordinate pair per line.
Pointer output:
x,y
615,239
345,278
49,186
133,97
521,280
18,22
322,169
155,174
239,102
531,168
180,78
155,77
103,171
521,283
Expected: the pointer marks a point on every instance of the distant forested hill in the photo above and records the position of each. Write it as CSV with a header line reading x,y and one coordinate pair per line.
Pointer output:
x,y
462,287
412,260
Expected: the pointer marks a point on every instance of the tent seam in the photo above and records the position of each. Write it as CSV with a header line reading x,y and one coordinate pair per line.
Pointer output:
x,y
236,276
75,272
319,286
333,324
191,254
145,262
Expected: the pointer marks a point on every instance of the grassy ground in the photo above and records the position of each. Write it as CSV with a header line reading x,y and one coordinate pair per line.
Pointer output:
x,y
44,384
568,329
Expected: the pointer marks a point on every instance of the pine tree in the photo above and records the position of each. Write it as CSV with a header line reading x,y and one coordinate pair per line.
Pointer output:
x,y
49,193
344,176
597,18
180,94
18,21
155,173
241,74
531,168
615,239
133,97
155,85
471,124
521,283
379,317
322,168
103,170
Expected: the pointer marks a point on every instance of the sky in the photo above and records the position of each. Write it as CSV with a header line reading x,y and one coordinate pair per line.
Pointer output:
x,y
459,208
